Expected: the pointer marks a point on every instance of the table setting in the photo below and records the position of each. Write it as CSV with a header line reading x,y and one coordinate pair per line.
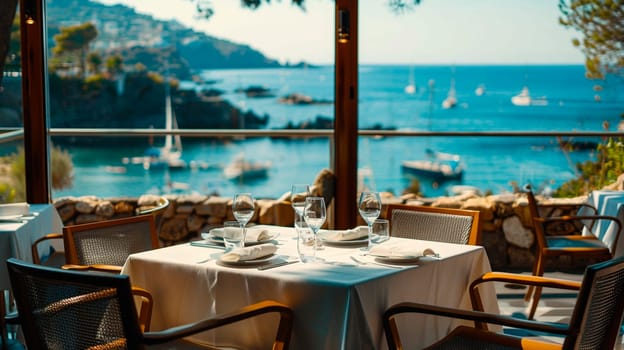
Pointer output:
x,y
338,290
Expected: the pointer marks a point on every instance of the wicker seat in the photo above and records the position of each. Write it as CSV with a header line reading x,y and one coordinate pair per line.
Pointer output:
x,y
594,324
57,258
63,309
571,236
434,224
105,245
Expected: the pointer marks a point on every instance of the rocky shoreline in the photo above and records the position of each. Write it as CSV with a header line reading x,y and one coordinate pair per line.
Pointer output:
x,y
506,227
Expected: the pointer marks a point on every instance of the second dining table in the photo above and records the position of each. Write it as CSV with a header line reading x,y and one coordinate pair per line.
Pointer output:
x,y
337,302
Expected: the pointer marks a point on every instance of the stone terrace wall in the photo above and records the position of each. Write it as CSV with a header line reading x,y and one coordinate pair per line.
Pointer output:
x,y
505,221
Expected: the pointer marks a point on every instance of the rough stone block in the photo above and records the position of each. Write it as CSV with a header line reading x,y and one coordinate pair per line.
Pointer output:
x,y
86,206
105,209
213,206
516,234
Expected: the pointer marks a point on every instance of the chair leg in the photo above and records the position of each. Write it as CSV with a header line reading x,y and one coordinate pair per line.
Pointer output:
x,y
3,327
537,266
537,294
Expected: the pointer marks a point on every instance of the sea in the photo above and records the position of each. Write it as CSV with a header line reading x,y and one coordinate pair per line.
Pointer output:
x,y
400,97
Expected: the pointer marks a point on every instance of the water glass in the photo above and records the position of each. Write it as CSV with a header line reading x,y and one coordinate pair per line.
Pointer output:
x,y
305,240
232,235
315,215
381,231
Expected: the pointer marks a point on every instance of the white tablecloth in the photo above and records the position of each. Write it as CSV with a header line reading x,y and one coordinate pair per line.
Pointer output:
x,y
609,203
337,304
16,237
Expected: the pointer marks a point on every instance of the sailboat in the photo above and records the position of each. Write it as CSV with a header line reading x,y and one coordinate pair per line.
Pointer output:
x,y
170,155
410,88
451,99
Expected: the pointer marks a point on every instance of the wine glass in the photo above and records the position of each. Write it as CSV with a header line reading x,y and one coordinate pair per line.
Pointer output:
x,y
243,210
315,214
298,195
370,208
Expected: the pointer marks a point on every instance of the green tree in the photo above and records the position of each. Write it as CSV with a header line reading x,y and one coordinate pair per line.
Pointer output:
x,y
94,62
114,64
601,23
595,175
76,39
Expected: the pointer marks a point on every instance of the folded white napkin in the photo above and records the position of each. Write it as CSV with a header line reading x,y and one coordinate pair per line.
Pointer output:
x,y
249,253
399,250
253,234
345,235
14,209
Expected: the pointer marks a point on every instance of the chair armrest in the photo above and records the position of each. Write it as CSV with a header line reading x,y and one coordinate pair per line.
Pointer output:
x,y
589,209
95,267
35,249
263,307
593,218
530,280
145,309
392,334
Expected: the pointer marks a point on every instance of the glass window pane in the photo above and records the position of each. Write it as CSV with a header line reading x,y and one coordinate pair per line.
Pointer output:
x,y
12,180
455,66
242,68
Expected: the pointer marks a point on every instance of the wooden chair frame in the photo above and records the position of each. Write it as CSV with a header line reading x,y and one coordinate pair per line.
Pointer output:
x,y
119,285
575,245
572,332
475,232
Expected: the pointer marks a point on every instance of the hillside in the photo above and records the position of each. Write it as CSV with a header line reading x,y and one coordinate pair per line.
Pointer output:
x,y
122,29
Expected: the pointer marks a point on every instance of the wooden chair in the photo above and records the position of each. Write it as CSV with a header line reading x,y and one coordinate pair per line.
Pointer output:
x,y
105,245
594,324
434,224
574,237
57,258
63,309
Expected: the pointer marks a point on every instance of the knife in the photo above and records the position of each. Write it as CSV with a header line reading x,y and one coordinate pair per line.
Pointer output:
x,y
206,245
277,264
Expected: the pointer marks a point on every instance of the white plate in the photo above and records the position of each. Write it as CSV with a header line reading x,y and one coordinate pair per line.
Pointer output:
x,y
219,240
254,262
397,259
351,242
11,218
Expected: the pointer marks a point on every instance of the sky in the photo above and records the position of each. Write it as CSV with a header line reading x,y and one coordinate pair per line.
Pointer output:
x,y
434,32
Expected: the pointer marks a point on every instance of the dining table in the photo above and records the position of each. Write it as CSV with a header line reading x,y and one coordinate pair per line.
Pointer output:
x,y
337,301
19,232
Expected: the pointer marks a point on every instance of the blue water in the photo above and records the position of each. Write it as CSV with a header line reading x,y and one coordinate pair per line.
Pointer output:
x,y
491,162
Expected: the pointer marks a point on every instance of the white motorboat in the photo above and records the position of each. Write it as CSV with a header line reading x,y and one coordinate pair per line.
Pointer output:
x,y
438,166
241,169
524,99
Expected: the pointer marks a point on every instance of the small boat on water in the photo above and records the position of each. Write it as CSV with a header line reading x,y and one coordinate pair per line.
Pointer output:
x,y
241,169
438,166
451,99
524,99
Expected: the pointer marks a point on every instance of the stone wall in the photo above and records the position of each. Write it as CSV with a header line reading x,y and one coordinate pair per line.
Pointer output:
x,y
505,221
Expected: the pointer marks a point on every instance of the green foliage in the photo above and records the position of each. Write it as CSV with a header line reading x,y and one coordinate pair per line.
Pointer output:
x,y
596,174
94,60
75,40
600,23
13,174
94,83
114,64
